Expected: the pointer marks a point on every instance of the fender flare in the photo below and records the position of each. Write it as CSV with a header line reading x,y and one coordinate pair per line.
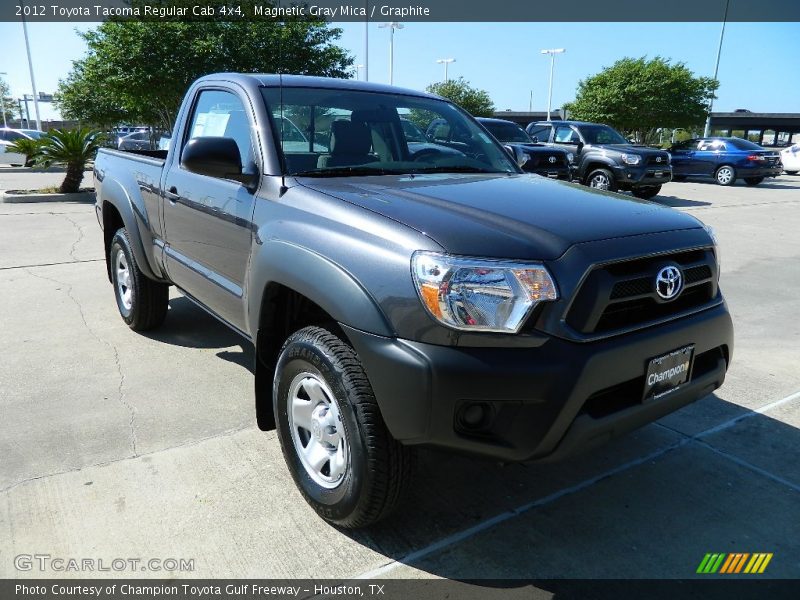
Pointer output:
x,y
593,160
134,218
319,279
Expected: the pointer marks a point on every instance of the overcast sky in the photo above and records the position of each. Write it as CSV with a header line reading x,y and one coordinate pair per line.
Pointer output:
x,y
758,71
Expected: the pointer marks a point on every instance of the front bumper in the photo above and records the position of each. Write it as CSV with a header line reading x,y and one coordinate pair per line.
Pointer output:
x,y
637,176
560,172
543,402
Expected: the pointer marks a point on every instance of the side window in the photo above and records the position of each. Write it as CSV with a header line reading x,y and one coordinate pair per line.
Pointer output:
x,y
540,134
222,114
686,146
13,136
565,135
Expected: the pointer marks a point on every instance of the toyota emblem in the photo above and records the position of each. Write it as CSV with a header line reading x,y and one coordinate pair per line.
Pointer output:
x,y
669,282
552,159
658,159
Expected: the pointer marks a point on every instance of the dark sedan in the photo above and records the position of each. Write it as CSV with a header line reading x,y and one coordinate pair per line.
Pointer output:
x,y
532,157
726,159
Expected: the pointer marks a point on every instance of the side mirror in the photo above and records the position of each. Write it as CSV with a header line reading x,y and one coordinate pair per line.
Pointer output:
x,y
215,157
517,154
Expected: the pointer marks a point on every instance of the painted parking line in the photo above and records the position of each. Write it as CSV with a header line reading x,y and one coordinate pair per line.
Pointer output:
x,y
469,532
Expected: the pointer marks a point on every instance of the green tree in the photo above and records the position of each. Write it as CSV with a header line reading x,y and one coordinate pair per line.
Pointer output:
x,y
71,148
638,96
476,102
139,71
8,103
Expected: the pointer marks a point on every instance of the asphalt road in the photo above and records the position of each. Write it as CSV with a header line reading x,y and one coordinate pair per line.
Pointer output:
x,y
114,444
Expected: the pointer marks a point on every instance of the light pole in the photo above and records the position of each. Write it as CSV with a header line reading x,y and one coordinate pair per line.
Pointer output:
x,y
30,68
3,103
707,131
445,62
366,42
552,52
392,26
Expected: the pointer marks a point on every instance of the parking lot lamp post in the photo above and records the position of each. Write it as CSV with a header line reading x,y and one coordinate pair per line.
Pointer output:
x,y
552,52
445,62
3,104
392,26
30,68
707,131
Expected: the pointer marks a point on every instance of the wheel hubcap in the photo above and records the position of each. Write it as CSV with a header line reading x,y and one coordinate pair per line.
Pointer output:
x,y
317,431
123,280
599,181
724,175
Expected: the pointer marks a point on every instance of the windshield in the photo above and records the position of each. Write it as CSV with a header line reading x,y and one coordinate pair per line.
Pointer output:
x,y
34,134
601,134
326,132
507,132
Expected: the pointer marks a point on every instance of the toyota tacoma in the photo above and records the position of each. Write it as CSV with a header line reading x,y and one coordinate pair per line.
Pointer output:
x,y
605,160
399,298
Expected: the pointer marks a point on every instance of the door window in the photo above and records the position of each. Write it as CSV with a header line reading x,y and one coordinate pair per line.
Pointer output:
x,y
565,135
222,114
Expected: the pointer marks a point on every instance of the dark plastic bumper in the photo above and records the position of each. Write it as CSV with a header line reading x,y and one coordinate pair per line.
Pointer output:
x,y
759,171
564,173
542,402
630,176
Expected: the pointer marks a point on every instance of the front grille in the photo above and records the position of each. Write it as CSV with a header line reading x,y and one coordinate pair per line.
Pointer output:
x,y
542,160
622,296
653,160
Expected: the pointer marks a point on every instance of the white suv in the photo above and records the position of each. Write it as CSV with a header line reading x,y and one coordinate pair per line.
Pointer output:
x,y
8,136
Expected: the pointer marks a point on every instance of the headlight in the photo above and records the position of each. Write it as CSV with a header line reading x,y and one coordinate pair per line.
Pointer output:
x,y
631,159
474,294
710,230
570,157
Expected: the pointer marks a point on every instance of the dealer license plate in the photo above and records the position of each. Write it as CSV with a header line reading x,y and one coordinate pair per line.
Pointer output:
x,y
667,372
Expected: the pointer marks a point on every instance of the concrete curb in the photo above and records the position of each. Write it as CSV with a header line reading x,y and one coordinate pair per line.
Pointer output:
x,y
5,169
17,198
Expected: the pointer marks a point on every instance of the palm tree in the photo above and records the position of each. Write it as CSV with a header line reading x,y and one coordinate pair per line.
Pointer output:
x,y
73,149
26,146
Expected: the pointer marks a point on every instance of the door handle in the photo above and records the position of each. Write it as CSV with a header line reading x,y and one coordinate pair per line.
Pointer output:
x,y
172,194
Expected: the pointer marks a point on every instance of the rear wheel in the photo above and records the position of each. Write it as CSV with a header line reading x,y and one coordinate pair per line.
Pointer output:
x,y
343,459
791,172
601,179
142,302
646,193
725,175
753,180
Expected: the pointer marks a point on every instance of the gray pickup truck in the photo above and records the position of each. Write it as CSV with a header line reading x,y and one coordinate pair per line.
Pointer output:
x,y
401,296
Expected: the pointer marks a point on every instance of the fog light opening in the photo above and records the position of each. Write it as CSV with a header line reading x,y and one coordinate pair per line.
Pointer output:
x,y
474,416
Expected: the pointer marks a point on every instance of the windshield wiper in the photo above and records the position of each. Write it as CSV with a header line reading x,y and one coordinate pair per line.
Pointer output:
x,y
347,171
456,169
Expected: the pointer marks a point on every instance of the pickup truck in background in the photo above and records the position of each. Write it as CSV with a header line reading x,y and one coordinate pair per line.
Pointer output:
x,y
531,157
402,296
604,159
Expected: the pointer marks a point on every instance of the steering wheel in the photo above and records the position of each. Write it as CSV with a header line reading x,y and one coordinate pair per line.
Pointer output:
x,y
420,154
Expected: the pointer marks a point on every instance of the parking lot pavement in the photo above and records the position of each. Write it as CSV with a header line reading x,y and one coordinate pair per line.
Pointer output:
x,y
33,179
114,444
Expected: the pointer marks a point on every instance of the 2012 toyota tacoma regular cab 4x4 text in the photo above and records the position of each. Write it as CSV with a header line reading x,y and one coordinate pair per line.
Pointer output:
x,y
400,297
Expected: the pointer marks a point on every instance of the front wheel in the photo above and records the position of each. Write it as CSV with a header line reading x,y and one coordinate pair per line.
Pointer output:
x,y
753,180
725,175
343,459
791,172
142,302
645,193
601,179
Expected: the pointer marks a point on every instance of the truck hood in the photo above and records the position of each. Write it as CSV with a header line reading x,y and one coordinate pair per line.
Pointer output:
x,y
503,216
